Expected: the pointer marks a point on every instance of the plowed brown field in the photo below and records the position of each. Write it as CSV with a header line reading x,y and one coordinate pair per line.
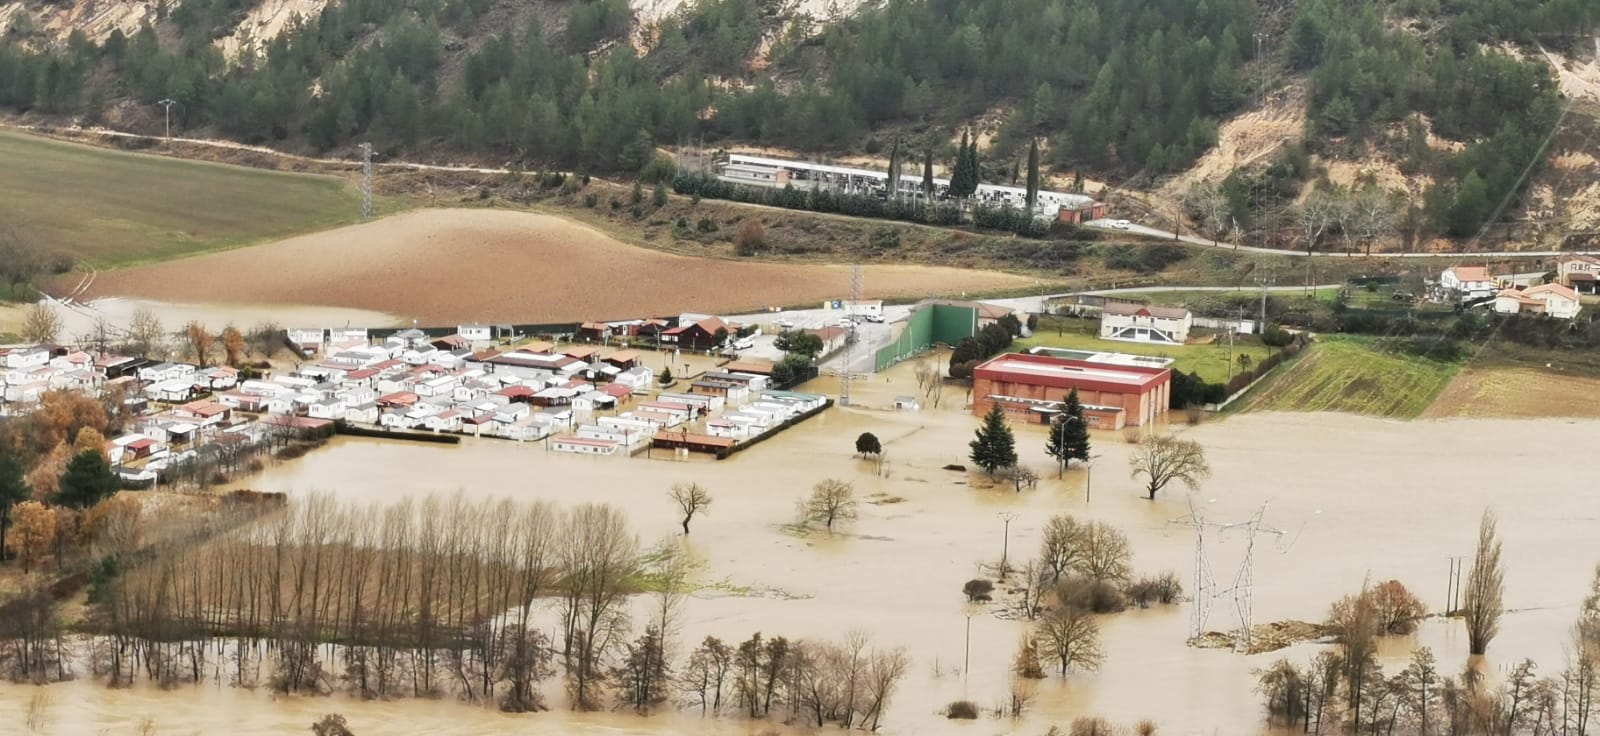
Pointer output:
x,y
447,266
1515,393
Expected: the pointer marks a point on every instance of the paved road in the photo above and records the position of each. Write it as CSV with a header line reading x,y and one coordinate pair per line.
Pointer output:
x,y
1138,229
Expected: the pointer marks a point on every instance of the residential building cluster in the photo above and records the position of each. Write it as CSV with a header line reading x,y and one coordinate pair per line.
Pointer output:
x,y
581,397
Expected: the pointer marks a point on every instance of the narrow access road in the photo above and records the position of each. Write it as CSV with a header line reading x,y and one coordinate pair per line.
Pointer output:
x,y
1135,228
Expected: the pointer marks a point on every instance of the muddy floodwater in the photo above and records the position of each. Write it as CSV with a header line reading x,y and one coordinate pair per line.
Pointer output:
x,y
80,319
1347,499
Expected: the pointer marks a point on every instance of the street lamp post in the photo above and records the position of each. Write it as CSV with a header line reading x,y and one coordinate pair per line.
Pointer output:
x,y
1061,429
1088,477
168,103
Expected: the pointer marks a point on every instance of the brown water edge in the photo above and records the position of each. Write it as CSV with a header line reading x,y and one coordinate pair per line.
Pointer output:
x,y
1358,498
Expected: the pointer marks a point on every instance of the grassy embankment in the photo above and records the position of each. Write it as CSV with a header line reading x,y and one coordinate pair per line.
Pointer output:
x,y
111,208
1209,360
1350,374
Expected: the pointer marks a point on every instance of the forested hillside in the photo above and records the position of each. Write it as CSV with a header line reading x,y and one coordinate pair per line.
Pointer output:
x,y
1130,90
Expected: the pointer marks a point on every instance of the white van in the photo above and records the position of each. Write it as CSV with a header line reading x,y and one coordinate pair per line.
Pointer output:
x,y
744,343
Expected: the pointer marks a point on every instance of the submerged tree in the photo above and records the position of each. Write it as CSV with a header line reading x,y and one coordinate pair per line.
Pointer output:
x,y
691,499
1162,459
993,447
830,501
1485,588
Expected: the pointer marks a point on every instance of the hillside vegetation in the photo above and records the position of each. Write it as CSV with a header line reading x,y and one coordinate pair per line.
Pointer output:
x,y
1125,90
1352,374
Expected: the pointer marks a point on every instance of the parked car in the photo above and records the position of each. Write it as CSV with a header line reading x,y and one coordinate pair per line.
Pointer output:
x,y
783,324
744,343
875,318
1120,224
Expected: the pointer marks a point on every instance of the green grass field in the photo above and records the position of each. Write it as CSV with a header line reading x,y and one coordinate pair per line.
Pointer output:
x,y
1210,361
1349,374
112,208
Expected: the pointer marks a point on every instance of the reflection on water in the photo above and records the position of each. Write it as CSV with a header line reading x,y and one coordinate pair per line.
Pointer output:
x,y
1356,499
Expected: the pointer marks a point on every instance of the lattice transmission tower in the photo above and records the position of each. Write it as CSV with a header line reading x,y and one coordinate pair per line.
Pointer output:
x,y
1242,590
857,278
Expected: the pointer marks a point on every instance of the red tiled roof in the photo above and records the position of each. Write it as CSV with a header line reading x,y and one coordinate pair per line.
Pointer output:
x,y
1130,309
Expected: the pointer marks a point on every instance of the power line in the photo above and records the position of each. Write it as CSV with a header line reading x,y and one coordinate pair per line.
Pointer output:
x,y
856,279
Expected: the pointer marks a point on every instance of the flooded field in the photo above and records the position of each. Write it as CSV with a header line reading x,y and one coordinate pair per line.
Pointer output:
x,y
118,313
1354,498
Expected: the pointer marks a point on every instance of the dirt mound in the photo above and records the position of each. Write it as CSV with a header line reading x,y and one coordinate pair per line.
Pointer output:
x,y
447,266
1268,637
1248,138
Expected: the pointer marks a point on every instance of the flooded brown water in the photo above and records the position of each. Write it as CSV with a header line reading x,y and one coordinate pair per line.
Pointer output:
x,y
1356,498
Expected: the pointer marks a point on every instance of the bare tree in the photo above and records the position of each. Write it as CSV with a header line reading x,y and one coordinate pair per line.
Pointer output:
x,y
1060,550
198,341
1485,589
598,555
691,499
1162,459
1104,554
1319,213
40,323
146,336
830,500
1372,215
1069,635
233,345
266,339
1205,202
1021,476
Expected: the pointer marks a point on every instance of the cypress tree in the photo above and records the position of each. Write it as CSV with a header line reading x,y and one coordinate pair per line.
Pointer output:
x,y
13,490
927,174
894,170
994,447
958,173
1033,183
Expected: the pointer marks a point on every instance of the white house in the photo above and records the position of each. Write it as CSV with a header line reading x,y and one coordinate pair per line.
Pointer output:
x,y
637,378
584,446
412,338
25,358
476,332
1141,323
326,409
1471,282
1580,272
446,421
167,372
345,335
307,339
1553,300
171,391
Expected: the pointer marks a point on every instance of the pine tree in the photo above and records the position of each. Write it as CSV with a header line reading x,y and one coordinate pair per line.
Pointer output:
x,y
87,481
994,447
13,490
1069,434
1033,180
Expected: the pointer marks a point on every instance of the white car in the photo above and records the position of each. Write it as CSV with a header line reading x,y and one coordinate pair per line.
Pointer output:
x,y
1120,224
744,343
847,322
875,318
783,324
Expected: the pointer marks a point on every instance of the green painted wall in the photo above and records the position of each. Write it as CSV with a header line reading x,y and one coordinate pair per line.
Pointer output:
x,y
928,325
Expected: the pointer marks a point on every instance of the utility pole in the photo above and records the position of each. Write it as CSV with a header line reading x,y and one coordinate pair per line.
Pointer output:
x,y
167,103
1005,548
366,181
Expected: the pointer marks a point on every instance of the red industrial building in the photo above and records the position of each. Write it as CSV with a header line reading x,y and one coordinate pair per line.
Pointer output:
x,y
1031,388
